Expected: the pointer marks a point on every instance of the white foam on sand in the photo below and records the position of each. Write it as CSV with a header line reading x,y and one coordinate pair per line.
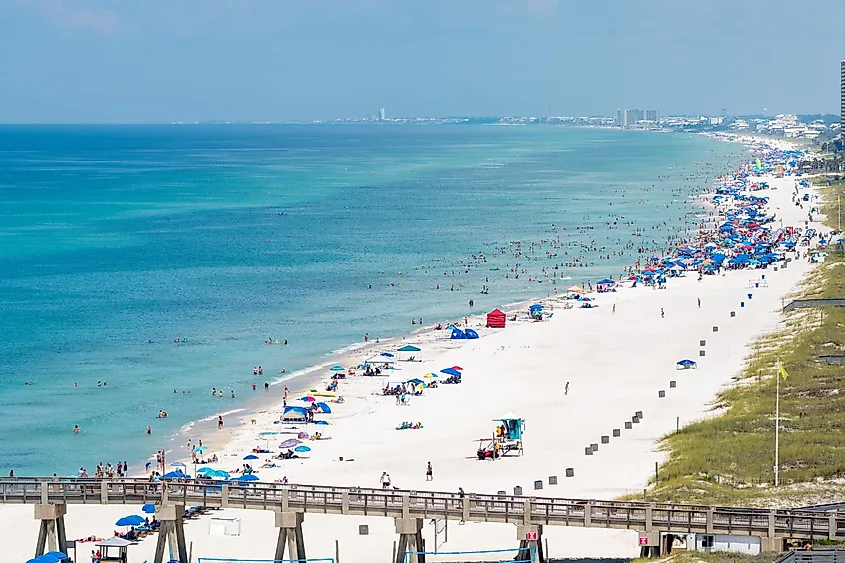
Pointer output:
x,y
615,364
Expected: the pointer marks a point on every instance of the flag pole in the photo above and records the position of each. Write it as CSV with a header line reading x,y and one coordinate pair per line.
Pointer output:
x,y
777,423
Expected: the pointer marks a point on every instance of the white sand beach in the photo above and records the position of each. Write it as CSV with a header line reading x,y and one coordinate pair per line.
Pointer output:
x,y
615,358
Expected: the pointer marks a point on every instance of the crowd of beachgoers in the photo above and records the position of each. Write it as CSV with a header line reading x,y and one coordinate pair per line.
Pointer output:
x,y
736,231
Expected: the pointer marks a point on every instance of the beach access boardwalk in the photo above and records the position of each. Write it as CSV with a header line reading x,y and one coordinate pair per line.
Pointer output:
x,y
291,503
813,303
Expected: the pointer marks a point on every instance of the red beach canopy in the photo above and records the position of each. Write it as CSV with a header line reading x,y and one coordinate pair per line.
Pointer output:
x,y
496,319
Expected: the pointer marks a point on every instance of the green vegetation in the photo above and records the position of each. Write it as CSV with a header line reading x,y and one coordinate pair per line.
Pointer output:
x,y
729,459
708,557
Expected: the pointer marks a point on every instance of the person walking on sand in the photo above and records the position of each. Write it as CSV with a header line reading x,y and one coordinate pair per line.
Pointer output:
x,y
699,302
286,393
220,422
566,389
429,472
662,314
614,308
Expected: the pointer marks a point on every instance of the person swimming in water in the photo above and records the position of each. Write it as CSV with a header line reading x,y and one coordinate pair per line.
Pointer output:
x,y
76,429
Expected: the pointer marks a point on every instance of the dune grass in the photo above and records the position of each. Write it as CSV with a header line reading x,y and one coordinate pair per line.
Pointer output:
x,y
729,459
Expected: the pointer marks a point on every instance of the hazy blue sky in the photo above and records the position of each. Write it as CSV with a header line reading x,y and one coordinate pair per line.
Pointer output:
x,y
172,60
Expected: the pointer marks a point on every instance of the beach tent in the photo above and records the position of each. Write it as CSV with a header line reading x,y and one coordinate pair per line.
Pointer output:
x,y
108,546
470,334
458,334
379,360
294,414
496,319
324,408
412,351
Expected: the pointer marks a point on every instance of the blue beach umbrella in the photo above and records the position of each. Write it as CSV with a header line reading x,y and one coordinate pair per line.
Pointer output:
x,y
219,474
323,422
148,509
451,371
56,555
251,456
302,449
175,475
131,520
338,368
200,449
204,470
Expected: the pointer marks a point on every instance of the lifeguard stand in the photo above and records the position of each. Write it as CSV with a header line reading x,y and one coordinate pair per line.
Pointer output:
x,y
511,439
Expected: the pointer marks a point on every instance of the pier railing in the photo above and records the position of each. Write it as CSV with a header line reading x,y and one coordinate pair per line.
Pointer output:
x,y
641,516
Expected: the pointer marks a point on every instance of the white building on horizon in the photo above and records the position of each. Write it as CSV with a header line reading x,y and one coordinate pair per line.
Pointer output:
x,y
381,114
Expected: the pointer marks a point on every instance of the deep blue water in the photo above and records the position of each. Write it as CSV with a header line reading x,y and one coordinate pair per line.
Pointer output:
x,y
116,240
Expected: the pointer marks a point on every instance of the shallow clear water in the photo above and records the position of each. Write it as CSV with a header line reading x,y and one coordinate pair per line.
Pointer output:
x,y
116,240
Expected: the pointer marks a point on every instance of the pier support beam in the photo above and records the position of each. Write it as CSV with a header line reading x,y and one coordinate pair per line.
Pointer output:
x,y
290,535
51,534
771,544
171,532
530,549
410,540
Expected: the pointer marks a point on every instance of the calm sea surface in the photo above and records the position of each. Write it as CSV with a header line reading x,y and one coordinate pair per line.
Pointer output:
x,y
117,240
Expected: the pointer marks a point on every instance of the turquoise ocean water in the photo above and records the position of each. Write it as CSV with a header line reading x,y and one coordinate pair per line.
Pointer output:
x,y
116,240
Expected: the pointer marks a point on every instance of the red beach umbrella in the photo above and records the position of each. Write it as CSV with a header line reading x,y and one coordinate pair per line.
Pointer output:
x,y
459,368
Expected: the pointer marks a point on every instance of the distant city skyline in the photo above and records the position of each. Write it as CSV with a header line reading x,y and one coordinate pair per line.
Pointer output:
x,y
99,61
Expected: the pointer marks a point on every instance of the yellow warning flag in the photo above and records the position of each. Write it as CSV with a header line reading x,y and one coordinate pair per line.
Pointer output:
x,y
783,373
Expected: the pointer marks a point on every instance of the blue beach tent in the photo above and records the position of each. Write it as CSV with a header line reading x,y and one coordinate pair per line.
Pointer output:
x,y
151,508
470,334
451,371
458,334
324,408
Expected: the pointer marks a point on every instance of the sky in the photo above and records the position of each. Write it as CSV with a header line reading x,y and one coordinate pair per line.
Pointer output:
x,y
162,61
